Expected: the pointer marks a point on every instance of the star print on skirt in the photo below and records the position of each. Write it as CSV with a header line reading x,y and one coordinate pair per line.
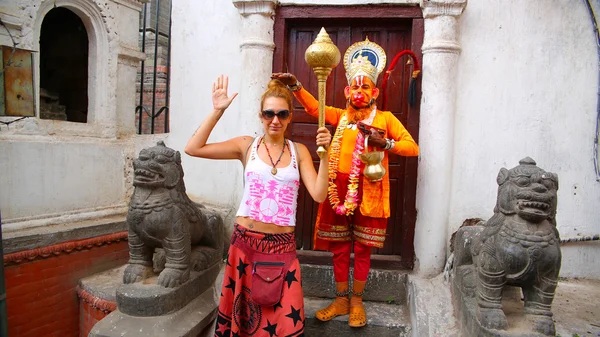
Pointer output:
x,y
238,314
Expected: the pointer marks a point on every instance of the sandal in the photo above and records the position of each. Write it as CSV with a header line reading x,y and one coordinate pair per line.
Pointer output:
x,y
339,307
358,316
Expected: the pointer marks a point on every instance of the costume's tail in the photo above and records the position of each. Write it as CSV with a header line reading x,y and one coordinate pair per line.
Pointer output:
x,y
412,87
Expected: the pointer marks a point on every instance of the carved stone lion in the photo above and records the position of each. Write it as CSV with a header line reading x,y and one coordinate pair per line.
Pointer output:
x,y
162,216
517,246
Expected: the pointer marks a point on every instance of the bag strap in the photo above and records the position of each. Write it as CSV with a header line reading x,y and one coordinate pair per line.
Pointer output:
x,y
246,160
297,152
248,149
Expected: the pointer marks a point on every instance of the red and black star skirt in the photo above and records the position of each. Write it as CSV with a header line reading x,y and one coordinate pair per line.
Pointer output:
x,y
238,314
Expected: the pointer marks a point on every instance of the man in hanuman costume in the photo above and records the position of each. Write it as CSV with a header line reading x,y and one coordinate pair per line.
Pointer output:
x,y
356,212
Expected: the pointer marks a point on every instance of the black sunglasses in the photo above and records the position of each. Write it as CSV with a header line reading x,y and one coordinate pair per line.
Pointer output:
x,y
281,114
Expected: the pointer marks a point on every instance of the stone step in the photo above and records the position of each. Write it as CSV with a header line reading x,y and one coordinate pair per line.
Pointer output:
x,y
387,286
383,320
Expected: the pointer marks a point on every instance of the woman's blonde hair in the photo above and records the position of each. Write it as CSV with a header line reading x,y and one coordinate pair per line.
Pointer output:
x,y
276,88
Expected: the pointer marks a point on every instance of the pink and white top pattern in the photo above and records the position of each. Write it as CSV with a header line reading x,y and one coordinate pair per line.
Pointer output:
x,y
270,198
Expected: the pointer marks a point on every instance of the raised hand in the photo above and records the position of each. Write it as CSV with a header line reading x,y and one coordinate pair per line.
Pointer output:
x,y
286,78
323,137
219,93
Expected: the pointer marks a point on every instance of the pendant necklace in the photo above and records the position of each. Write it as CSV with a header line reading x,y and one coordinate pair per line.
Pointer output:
x,y
274,169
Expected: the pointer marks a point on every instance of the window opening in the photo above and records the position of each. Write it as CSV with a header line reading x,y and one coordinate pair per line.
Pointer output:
x,y
63,67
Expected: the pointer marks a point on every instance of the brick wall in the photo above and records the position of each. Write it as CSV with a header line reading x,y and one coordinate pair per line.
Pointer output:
x,y
158,47
92,309
41,283
160,100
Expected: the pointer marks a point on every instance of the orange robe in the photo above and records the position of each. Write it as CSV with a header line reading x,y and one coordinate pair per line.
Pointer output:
x,y
375,196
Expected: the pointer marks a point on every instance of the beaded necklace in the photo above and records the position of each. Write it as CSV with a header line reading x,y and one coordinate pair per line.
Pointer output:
x,y
274,169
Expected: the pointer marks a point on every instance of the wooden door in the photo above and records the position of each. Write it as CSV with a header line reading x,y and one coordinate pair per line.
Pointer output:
x,y
296,29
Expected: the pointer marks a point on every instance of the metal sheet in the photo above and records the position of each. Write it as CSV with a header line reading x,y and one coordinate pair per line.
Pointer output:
x,y
18,82
2,107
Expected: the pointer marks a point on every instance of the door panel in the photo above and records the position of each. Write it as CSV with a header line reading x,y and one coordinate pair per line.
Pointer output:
x,y
393,35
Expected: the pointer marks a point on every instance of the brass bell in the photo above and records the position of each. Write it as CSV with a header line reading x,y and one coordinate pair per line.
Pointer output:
x,y
374,170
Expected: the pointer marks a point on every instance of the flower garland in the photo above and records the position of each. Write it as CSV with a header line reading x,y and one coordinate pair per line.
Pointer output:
x,y
351,202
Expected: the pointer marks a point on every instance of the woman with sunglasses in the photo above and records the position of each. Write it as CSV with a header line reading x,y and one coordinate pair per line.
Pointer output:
x,y
261,293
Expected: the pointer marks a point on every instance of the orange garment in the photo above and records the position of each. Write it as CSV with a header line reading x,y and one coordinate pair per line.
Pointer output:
x,y
375,196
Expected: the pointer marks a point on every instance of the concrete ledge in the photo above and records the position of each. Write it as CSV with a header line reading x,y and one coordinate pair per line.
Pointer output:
x,y
31,238
104,285
382,285
431,311
192,320
382,320
146,298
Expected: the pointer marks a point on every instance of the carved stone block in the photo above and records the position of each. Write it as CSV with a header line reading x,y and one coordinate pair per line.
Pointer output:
x,y
175,245
518,246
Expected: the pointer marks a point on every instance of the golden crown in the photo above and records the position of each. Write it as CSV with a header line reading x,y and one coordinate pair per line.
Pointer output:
x,y
364,58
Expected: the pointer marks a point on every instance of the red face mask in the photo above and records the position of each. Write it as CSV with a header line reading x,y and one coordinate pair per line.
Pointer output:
x,y
361,91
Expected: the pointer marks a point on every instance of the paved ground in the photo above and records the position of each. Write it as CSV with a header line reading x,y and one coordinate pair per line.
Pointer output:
x,y
576,308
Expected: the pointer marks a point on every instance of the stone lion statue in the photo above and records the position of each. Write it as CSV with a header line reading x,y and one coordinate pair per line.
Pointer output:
x,y
517,246
162,216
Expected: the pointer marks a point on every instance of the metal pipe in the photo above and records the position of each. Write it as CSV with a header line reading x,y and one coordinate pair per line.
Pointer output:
x,y
3,312
140,107
596,154
583,238
168,69
156,34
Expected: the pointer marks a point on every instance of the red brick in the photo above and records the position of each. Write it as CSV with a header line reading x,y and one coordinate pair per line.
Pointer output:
x,y
15,280
41,297
41,330
26,289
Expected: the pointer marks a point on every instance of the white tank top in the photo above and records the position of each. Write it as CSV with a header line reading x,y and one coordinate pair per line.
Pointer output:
x,y
267,197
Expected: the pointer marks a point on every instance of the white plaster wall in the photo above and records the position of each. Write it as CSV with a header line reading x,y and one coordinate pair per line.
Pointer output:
x,y
346,2
527,86
44,178
206,40
57,171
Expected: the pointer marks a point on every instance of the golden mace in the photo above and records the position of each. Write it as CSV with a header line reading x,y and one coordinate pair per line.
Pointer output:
x,y
322,56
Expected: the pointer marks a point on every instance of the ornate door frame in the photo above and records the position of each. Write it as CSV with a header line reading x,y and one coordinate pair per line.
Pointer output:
x,y
440,50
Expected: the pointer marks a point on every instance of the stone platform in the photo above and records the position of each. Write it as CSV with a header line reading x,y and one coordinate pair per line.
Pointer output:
x,y
146,298
384,300
195,319
159,311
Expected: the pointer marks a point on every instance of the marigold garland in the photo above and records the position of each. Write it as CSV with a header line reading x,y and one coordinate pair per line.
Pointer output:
x,y
351,202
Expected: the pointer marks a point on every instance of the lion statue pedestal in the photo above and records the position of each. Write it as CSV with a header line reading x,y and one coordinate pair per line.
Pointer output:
x,y
175,255
519,247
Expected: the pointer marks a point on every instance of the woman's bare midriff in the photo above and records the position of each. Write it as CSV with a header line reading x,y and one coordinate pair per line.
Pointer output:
x,y
263,227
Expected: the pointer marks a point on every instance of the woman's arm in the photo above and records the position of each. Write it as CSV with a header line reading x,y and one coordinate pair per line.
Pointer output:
x,y
230,149
316,183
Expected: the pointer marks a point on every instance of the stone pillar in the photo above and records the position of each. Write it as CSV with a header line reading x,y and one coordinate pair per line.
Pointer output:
x,y
257,49
129,57
128,63
438,104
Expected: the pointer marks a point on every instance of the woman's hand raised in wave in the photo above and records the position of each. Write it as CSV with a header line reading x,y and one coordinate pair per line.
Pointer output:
x,y
221,100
